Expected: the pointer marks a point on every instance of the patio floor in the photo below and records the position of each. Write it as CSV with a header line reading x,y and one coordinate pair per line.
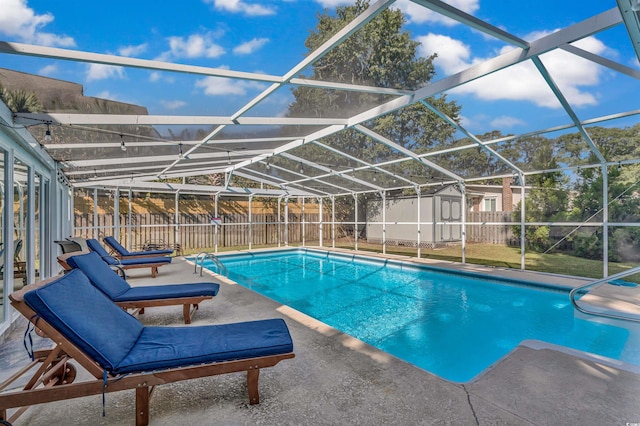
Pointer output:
x,y
336,379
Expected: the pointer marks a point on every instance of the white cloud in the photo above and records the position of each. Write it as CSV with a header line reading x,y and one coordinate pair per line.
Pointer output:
x,y
194,46
132,50
19,20
250,46
48,70
522,82
239,6
171,105
330,4
505,122
419,14
105,94
157,76
102,72
217,86
453,55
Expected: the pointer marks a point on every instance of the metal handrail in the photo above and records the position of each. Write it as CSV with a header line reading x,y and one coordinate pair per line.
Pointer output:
x,y
574,302
204,255
195,268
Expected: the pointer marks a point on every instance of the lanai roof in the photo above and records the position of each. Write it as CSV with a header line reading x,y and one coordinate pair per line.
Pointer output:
x,y
280,154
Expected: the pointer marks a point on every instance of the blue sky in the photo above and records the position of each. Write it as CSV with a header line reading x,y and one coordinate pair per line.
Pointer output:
x,y
268,37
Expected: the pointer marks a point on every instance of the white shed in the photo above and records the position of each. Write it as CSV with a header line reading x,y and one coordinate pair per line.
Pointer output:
x,y
439,210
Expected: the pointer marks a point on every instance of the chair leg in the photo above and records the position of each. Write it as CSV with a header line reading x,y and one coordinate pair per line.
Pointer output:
x,y
154,271
142,406
252,385
186,313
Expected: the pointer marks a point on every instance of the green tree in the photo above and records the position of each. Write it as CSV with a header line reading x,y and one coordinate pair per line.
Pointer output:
x,y
380,54
20,100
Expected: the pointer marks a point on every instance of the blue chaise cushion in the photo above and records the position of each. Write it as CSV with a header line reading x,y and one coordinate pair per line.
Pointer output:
x,y
124,252
95,246
100,274
87,318
118,290
167,347
144,261
170,291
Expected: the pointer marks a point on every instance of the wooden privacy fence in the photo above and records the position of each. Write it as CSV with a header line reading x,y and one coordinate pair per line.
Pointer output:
x,y
196,231
479,232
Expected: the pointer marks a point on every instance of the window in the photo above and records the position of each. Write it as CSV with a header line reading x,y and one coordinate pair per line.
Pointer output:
x,y
489,204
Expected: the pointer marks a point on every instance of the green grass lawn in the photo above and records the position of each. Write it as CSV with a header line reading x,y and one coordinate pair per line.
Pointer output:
x,y
499,256
509,257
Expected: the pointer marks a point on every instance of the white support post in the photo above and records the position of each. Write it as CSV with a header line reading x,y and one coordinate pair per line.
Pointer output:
x,y
31,224
94,231
216,232
176,220
303,222
129,220
9,230
605,221
286,221
279,221
384,222
417,188
333,222
116,214
355,228
523,217
250,221
463,212
320,231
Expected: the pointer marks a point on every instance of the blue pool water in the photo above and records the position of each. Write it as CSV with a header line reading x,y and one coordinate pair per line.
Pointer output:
x,y
453,325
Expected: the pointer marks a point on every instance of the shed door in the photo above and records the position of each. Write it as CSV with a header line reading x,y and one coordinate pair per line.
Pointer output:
x,y
451,211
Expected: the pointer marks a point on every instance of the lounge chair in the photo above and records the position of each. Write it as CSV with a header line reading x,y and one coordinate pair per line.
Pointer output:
x,y
68,246
138,298
120,353
143,262
19,266
122,253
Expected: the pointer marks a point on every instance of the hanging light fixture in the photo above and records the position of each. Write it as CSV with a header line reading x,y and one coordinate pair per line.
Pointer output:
x,y
375,173
180,154
123,147
47,134
301,169
228,157
95,173
268,165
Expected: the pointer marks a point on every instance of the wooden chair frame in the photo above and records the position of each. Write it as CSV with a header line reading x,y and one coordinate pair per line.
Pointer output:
x,y
54,378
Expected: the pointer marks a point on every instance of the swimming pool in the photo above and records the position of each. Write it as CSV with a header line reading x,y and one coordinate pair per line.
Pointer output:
x,y
454,325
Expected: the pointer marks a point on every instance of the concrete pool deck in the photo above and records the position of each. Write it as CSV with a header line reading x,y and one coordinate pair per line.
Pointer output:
x,y
337,380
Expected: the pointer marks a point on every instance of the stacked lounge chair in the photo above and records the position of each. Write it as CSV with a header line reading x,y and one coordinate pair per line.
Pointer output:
x,y
122,253
138,298
120,353
129,263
